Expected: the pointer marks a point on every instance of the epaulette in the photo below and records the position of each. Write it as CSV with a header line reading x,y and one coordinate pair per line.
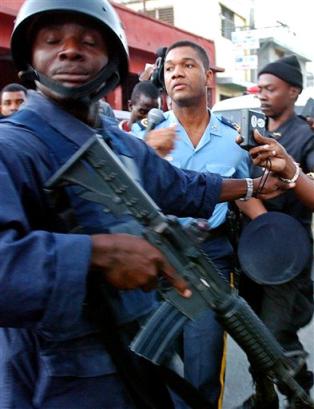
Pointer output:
x,y
227,122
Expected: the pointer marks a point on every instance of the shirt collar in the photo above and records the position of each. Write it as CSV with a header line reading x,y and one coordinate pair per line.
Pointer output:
x,y
284,127
213,126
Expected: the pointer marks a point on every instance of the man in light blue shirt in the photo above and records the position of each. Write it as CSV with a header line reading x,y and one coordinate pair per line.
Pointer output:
x,y
215,152
203,142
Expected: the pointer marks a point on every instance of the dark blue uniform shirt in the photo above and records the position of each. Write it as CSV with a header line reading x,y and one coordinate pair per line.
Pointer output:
x,y
43,271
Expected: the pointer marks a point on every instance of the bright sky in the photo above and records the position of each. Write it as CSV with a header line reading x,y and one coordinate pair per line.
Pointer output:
x,y
297,15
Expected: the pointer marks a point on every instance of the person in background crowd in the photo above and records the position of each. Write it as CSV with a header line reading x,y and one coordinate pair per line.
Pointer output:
x,y
204,142
58,249
288,307
144,97
12,96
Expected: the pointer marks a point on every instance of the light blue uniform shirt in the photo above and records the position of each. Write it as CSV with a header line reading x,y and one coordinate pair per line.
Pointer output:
x,y
216,152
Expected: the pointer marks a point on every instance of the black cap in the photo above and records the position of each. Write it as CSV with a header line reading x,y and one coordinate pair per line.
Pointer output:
x,y
287,69
274,248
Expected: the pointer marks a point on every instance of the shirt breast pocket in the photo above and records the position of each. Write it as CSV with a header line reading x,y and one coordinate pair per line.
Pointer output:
x,y
223,170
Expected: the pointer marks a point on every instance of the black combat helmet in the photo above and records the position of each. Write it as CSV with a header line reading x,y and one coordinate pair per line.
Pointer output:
x,y
101,11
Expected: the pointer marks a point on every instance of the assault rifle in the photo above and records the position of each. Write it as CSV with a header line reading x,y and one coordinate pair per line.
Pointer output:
x,y
103,179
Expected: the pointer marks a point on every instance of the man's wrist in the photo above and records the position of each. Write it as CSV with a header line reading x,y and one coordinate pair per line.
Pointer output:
x,y
290,168
293,174
249,189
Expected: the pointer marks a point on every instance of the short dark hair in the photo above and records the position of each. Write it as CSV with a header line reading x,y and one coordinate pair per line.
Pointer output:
x,y
200,51
146,88
13,87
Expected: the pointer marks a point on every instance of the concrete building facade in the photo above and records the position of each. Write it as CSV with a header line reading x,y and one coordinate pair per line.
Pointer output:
x,y
242,47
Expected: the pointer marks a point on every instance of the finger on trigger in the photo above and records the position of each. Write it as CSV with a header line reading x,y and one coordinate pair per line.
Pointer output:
x,y
177,282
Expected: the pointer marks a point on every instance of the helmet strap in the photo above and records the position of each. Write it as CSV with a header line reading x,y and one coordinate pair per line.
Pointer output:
x,y
105,80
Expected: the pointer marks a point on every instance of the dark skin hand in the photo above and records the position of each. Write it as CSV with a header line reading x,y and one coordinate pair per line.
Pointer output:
x,y
162,140
130,262
273,187
272,154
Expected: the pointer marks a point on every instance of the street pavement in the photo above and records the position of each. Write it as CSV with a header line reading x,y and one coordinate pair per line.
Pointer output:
x,y
238,381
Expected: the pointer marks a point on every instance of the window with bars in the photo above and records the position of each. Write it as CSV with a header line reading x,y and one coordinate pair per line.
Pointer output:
x,y
227,22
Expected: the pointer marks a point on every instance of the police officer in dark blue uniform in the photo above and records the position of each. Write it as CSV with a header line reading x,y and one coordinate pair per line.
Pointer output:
x,y
54,248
